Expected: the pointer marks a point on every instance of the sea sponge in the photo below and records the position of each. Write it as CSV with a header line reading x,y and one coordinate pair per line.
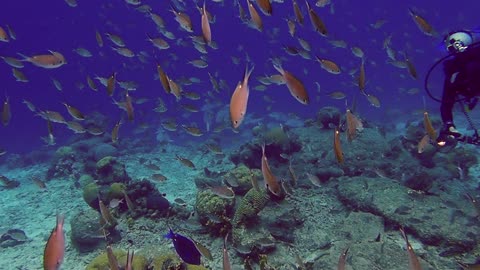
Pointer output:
x,y
110,170
101,261
90,195
167,261
195,267
251,204
241,176
276,135
213,211
116,191
328,116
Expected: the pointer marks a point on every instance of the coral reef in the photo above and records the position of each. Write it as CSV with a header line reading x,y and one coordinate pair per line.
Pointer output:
x,y
101,261
116,191
328,117
250,205
170,261
109,170
279,141
91,192
147,200
213,211
86,232
66,163
240,178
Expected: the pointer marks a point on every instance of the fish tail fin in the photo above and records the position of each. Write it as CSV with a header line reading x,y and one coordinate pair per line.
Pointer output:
x,y
60,219
248,72
170,234
24,57
404,235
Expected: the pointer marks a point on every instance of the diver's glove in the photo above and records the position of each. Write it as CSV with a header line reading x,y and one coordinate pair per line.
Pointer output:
x,y
449,133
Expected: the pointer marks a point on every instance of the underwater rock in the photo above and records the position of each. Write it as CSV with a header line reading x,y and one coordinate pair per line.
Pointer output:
x,y
324,174
109,170
86,231
281,220
328,117
421,181
355,233
427,217
13,237
157,202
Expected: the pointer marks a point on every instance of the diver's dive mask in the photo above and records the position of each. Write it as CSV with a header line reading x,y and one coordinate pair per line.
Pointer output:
x,y
458,41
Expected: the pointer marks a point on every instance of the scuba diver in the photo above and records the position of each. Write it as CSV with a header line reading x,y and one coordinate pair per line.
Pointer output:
x,y
461,84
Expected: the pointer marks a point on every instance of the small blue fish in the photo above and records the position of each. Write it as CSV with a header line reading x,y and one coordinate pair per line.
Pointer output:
x,y
185,248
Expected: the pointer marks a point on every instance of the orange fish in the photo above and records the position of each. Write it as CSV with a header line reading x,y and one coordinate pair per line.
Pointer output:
x,y
183,20
411,68
342,261
3,35
206,31
361,77
163,79
429,127
55,248
265,6
129,107
337,148
317,23
295,86
175,89
298,13
423,144
112,260
255,19
6,113
422,24
329,65
239,100
129,264
271,181
412,258
226,260
49,61
115,130
111,84
353,124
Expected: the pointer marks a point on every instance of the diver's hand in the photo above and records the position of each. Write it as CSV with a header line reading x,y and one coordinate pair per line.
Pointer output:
x,y
448,132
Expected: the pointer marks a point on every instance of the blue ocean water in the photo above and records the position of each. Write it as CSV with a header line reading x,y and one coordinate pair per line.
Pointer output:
x,y
40,27
58,27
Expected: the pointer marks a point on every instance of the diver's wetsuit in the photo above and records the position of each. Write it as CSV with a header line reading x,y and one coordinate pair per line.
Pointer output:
x,y
462,77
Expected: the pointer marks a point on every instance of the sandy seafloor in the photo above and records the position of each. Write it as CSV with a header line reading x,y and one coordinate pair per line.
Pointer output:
x,y
34,210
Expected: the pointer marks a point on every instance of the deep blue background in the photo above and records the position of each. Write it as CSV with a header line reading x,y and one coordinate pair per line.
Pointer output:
x,y
56,26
